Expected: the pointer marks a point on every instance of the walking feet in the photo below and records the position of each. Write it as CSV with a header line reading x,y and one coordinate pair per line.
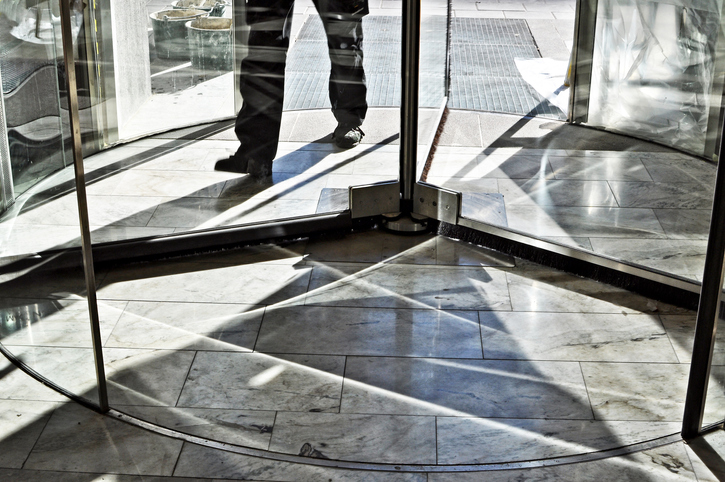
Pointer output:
x,y
232,164
259,171
346,137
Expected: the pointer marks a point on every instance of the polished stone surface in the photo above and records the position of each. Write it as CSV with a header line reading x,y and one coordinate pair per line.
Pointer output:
x,y
669,463
375,332
543,178
636,391
368,438
256,381
551,291
617,337
189,281
408,286
484,388
430,351
197,462
22,422
77,440
250,428
187,326
490,440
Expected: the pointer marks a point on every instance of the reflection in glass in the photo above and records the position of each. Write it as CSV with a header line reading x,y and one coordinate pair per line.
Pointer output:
x,y
44,314
288,163
504,144
654,71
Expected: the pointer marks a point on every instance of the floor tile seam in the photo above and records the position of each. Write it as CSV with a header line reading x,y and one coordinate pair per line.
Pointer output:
x,y
669,336
618,312
40,433
580,360
407,305
45,400
259,329
173,301
360,355
184,302
368,308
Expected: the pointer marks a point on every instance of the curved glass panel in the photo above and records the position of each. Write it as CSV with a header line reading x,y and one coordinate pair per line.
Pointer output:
x,y
617,196
44,314
655,71
278,158
294,120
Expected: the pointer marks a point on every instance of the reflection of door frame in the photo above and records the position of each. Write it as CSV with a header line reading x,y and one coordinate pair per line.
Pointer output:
x,y
7,195
580,76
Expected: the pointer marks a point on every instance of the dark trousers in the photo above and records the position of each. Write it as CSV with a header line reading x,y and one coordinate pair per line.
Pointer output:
x,y
262,72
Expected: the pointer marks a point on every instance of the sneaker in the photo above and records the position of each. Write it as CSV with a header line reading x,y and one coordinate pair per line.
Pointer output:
x,y
347,137
232,164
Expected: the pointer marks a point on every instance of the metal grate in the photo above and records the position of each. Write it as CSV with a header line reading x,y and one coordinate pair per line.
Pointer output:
x,y
483,70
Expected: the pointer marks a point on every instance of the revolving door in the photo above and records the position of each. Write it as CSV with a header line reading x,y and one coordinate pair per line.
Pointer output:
x,y
466,132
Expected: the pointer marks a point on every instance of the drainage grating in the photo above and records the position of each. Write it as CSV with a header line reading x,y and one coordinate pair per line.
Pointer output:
x,y
308,61
483,70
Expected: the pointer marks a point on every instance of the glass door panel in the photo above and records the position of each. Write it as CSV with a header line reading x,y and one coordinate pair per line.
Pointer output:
x,y
504,143
173,182
655,72
170,183
44,312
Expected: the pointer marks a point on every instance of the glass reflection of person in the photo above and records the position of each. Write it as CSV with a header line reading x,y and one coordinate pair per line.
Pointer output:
x,y
262,79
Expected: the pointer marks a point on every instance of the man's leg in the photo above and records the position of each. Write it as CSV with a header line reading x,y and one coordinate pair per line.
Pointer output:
x,y
348,90
262,87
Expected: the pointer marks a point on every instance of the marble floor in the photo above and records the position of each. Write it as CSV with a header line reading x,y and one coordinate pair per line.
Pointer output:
x,y
368,348
611,195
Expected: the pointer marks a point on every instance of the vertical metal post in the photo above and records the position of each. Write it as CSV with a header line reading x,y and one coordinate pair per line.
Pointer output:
x,y
708,312
7,194
580,76
409,102
70,75
449,21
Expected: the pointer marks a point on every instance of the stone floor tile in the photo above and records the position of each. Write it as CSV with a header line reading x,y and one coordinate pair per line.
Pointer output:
x,y
255,381
189,281
360,248
48,322
187,326
370,331
683,257
546,290
197,461
406,286
662,195
685,224
22,422
484,388
617,337
548,221
248,428
636,391
615,168
79,440
145,376
360,438
453,252
556,192
663,463
492,440
681,330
